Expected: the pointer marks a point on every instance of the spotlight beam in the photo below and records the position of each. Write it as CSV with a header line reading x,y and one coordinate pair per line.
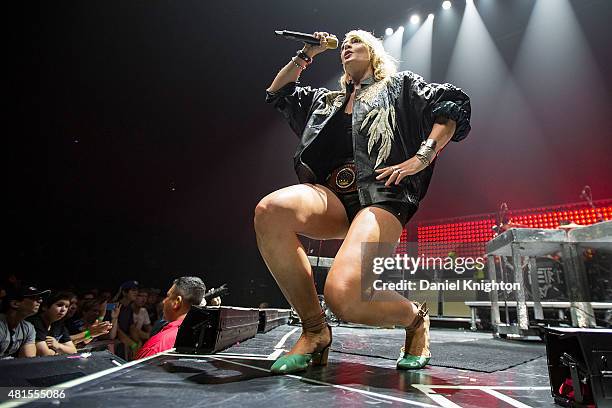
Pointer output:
x,y
417,51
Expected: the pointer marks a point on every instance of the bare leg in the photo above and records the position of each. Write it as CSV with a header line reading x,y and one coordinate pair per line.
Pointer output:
x,y
343,289
345,295
306,209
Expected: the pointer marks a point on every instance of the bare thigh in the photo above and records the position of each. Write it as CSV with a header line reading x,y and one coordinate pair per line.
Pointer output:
x,y
311,210
373,225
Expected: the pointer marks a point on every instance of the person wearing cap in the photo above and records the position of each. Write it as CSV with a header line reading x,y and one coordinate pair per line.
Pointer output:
x,y
17,336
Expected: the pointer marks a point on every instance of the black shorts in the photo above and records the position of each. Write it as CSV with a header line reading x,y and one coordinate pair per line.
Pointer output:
x,y
402,211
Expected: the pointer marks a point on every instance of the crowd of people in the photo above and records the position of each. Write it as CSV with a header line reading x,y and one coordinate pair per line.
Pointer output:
x,y
134,323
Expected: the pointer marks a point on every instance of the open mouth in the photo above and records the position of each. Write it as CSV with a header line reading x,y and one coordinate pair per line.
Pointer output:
x,y
347,54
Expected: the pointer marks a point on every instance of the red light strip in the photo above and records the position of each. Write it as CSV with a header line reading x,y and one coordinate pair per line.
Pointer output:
x,y
468,237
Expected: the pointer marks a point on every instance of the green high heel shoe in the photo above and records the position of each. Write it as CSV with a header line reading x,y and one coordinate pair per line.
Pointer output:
x,y
294,363
407,361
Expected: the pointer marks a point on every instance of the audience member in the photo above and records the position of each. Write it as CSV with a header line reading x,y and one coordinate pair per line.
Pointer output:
x,y
161,323
73,307
106,295
92,324
126,331
17,336
141,316
71,320
91,310
185,292
52,336
64,321
88,296
153,305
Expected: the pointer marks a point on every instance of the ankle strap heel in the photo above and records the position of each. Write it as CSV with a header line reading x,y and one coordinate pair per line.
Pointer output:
x,y
407,361
316,324
293,363
419,317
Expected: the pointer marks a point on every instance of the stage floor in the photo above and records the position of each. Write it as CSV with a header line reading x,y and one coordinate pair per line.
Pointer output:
x,y
359,373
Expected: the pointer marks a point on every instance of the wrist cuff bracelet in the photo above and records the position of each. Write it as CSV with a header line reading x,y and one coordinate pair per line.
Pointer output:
x,y
427,151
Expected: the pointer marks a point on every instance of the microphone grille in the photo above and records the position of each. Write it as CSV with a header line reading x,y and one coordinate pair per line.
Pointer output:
x,y
332,43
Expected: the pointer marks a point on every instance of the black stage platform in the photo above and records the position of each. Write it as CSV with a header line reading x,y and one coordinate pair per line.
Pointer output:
x,y
361,372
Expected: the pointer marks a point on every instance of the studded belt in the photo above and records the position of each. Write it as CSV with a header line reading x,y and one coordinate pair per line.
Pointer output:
x,y
343,179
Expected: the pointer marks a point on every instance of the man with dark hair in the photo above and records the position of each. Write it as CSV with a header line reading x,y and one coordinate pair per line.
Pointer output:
x,y
185,292
17,335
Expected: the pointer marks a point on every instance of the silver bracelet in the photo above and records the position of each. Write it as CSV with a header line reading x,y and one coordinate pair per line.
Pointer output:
x,y
297,65
431,143
427,152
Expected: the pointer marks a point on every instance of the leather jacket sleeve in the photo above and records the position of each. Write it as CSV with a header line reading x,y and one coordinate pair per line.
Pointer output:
x,y
295,103
432,101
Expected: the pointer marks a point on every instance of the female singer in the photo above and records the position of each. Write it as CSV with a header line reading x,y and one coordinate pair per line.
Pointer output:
x,y
364,161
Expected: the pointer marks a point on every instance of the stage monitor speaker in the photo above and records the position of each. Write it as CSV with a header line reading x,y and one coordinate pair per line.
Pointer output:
x,y
580,356
207,330
53,370
271,318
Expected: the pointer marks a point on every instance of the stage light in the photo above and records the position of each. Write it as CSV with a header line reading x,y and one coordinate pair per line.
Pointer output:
x,y
393,42
430,15
446,5
416,52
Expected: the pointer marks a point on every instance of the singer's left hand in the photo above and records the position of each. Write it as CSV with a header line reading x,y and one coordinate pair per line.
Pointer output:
x,y
399,171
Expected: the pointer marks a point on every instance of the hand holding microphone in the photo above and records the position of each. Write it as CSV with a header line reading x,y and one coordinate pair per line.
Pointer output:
x,y
326,41
313,43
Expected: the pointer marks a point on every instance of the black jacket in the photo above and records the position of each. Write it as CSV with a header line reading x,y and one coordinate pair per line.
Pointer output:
x,y
390,119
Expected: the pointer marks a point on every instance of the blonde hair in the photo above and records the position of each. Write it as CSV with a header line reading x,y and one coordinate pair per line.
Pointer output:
x,y
383,64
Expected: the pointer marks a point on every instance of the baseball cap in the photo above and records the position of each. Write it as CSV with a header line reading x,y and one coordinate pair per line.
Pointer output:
x,y
26,291
129,285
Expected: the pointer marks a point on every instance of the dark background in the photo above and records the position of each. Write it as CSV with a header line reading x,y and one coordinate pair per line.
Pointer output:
x,y
142,142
